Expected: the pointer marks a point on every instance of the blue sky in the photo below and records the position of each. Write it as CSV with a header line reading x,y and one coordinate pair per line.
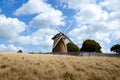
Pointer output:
x,y
30,24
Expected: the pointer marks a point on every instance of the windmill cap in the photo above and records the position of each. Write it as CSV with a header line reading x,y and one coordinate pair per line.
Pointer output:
x,y
58,35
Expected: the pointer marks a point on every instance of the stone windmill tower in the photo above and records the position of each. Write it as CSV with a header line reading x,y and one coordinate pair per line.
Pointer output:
x,y
59,44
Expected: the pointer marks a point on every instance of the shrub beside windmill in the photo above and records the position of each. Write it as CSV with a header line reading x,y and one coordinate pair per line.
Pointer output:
x,y
59,44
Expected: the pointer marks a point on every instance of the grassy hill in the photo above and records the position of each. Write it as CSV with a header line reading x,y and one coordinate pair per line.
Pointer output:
x,y
15,66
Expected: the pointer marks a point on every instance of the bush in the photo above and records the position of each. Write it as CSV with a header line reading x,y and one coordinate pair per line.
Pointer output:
x,y
116,48
20,51
90,46
72,47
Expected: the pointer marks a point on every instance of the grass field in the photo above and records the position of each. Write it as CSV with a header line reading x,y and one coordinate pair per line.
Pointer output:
x,y
15,66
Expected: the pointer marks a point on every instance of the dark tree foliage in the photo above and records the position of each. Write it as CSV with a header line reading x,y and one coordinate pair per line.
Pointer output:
x,y
72,47
19,51
116,48
91,46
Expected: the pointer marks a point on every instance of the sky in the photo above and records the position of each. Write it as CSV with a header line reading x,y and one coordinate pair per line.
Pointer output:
x,y
30,24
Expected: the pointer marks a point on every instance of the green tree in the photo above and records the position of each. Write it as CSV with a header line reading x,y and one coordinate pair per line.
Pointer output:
x,y
116,48
19,51
90,46
72,47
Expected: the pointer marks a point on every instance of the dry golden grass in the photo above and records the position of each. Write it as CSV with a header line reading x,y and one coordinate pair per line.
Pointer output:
x,y
57,67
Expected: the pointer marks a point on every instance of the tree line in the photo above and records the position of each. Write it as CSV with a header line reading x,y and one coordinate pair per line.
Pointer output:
x,y
91,46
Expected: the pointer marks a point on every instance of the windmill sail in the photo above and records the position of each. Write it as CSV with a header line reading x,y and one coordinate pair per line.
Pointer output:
x,y
57,41
68,28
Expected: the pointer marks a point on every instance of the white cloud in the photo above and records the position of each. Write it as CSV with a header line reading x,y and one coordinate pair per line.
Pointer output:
x,y
116,35
9,48
103,37
41,37
10,27
2,47
80,34
33,7
99,21
77,4
21,40
114,15
104,33
47,15
47,19
112,5
90,14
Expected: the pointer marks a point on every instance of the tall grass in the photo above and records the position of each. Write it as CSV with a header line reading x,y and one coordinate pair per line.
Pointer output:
x,y
58,67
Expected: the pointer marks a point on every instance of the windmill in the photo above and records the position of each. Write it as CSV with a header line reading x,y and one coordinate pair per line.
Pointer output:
x,y
59,44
